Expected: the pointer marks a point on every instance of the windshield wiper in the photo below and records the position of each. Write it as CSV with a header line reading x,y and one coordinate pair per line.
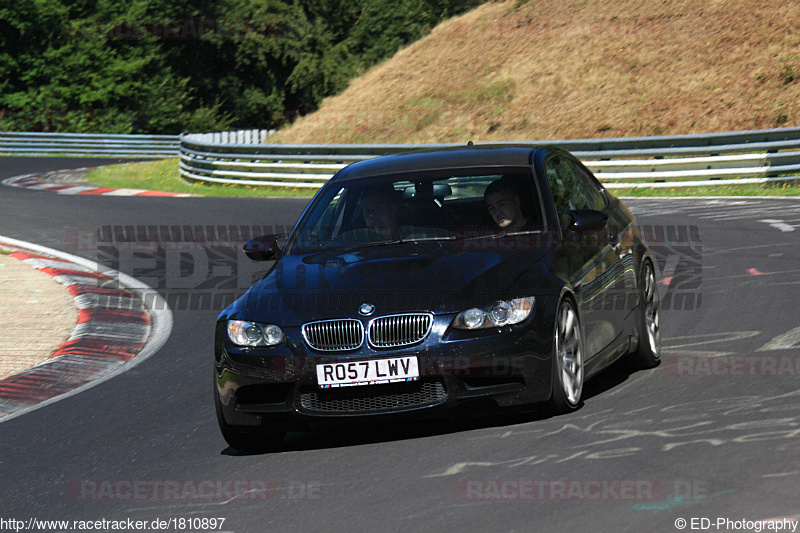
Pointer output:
x,y
371,244
428,239
503,234
406,240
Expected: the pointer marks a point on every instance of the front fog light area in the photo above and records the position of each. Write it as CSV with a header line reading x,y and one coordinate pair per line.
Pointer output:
x,y
244,333
500,313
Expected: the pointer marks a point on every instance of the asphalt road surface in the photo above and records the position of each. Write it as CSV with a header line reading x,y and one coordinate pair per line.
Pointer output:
x,y
713,432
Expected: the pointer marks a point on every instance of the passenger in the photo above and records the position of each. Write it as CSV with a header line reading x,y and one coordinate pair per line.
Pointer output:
x,y
379,206
505,207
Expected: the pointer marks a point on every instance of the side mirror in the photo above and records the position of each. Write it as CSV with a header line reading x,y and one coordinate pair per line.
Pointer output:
x,y
263,248
586,219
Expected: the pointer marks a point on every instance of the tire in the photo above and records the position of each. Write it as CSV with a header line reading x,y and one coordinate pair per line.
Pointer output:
x,y
249,442
568,375
648,351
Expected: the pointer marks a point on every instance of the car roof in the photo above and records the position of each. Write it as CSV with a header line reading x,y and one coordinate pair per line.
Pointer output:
x,y
444,158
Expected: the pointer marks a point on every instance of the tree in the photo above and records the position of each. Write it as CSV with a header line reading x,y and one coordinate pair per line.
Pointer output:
x,y
158,66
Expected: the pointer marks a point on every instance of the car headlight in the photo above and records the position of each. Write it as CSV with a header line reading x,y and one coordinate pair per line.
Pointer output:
x,y
244,333
498,314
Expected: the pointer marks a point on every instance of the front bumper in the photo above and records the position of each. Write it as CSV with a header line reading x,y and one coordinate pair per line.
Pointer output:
x,y
276,388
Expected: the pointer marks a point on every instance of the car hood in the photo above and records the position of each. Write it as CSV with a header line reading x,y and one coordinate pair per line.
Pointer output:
x,y
394,278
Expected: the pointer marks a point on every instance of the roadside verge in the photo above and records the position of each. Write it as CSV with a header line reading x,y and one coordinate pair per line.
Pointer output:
x,y
121,322
73,182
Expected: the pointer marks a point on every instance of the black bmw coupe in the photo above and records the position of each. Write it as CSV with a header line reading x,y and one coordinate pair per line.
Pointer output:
x,y
417,283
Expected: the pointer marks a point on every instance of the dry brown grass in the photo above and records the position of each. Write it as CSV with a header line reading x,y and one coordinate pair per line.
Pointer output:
x,y
566,69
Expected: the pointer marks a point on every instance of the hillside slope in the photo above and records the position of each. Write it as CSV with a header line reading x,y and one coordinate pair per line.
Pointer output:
x,y
558,69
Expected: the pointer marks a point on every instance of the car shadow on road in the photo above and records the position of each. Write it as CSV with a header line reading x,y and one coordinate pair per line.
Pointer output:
x,y
366,432
610,378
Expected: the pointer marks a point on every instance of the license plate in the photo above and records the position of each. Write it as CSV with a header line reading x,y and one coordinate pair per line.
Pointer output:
x,y
376,371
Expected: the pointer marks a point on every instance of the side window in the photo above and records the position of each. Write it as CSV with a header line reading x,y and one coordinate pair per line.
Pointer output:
x,y
591,192
572,188
557,187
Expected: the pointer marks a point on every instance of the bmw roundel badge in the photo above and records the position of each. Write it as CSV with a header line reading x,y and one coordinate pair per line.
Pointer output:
x,y
366,309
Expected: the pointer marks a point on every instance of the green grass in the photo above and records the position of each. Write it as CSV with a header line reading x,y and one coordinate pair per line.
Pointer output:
x,y
163,175
775,188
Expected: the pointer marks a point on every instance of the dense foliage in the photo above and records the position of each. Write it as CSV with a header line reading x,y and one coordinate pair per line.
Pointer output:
x,y
165,66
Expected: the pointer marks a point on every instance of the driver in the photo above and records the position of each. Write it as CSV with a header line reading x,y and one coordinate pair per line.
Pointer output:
x,y
504,206
379,206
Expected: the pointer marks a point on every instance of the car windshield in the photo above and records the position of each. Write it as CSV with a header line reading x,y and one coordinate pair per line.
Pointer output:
x,y
418,207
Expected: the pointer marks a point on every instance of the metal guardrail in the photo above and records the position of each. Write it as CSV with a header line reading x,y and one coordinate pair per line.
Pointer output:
x,y
242,157
88,144
666,161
